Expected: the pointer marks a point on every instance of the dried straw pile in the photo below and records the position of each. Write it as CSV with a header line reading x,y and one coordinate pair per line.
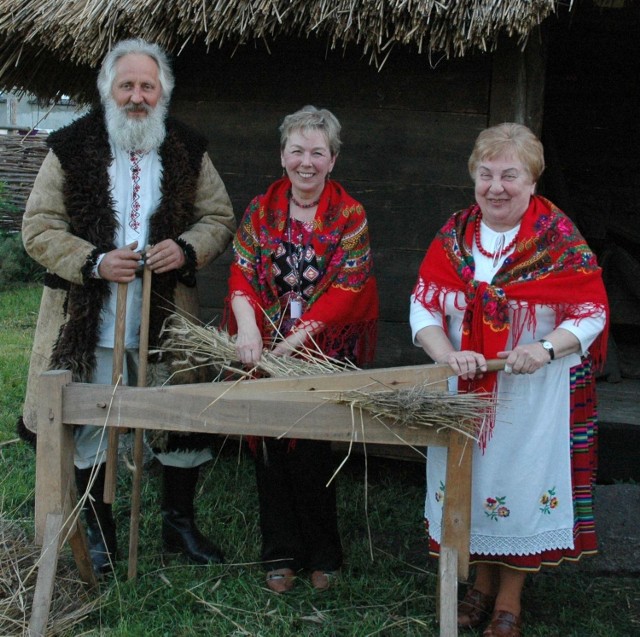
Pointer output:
x,y
18,558
40,34
190,344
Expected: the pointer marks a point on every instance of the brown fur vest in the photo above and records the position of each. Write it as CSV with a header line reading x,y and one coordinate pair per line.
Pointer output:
x,y
84,153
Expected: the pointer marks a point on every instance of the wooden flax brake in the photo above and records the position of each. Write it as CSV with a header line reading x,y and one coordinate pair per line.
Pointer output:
x,y
256,407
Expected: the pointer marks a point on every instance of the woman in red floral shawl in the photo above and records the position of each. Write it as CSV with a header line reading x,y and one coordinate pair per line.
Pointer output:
x,y
302,275
511,277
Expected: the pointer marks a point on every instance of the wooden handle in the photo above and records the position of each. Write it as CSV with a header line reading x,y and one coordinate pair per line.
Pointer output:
x,y
109,494
138,446
495,365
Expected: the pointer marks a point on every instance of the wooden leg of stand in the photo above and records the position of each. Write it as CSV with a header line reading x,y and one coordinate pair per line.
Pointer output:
x,y
448,592
47,565
456,527
54,452
55,498
80,549
456,517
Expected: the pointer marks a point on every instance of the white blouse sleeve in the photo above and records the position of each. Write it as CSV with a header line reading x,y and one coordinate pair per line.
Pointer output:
x,y
585,330
420,317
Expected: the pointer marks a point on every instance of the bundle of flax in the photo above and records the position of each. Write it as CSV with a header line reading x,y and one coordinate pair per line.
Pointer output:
x,y
421,406
191,344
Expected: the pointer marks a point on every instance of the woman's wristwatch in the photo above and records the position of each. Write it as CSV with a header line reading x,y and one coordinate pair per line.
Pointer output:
x,y
549,347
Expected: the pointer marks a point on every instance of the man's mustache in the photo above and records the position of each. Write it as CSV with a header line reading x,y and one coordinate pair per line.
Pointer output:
x,y
137,108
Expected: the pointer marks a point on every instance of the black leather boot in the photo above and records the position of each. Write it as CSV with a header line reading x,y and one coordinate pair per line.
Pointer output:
x,y
101,528
179,531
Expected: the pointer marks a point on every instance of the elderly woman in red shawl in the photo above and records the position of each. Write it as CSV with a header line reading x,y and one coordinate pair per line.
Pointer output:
x,y
302,277
512,278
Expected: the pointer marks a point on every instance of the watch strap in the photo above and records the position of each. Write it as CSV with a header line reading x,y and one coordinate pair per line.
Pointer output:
x,y
549,347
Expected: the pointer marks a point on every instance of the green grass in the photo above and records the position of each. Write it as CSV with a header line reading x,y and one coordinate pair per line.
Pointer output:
x,y
387,587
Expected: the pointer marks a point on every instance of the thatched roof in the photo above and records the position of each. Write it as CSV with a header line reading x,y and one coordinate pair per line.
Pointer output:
x,y
49,45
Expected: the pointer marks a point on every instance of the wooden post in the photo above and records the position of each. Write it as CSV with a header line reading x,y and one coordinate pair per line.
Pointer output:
x,y
47,565
448,591
56,515
54,452
456,516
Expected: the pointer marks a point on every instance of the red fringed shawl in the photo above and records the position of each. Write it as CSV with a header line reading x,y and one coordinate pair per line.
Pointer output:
x,y
345,299
551,265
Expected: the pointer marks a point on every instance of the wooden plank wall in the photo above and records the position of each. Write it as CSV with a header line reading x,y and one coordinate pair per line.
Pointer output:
x,y
407,132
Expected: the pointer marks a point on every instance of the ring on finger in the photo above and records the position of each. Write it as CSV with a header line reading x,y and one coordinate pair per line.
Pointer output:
x,y
508,369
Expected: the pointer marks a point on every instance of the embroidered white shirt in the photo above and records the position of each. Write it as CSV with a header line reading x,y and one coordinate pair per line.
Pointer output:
x,y
136,195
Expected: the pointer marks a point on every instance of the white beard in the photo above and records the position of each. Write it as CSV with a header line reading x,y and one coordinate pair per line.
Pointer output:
x,y
140,134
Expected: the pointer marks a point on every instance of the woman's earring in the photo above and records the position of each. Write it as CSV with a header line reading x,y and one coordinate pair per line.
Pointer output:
x,y
328,177
283,171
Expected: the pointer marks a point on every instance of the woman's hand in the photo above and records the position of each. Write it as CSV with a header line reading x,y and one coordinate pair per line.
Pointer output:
x,y
529,358
294,341
436,344
466,364
249,345
249,338
524,359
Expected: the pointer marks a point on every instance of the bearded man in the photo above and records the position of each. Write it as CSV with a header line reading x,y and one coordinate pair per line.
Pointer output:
x,y
120,179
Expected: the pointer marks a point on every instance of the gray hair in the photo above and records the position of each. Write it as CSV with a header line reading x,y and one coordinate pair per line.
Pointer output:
x,y
138,46
509,138
312,118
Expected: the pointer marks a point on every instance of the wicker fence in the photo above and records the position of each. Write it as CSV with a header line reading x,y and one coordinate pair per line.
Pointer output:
x,y
20,158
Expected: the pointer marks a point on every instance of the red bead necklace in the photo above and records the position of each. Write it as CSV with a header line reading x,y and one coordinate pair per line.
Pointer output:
x,y
304,205
486,253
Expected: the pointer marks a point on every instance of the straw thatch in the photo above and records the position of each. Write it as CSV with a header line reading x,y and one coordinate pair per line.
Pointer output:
x,y
49,44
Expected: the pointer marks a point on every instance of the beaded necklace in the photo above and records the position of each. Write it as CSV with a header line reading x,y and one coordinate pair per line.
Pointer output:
x,y
486,253
304,206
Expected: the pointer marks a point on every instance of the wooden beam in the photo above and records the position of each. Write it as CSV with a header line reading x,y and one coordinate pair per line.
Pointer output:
x,y
186,409
303,407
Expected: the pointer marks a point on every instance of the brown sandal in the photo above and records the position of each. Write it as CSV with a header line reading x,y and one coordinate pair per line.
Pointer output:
x,y
321,580
474,609
504,624
281,580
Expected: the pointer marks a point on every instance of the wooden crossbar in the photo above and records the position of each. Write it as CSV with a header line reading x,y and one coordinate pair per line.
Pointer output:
x,y
307,405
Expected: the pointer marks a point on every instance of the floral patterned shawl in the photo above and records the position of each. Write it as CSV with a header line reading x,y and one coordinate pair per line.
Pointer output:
x,y
551,265
345,298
